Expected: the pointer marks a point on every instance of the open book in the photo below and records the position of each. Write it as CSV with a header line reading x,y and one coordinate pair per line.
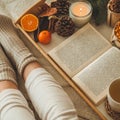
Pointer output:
x,y
90,60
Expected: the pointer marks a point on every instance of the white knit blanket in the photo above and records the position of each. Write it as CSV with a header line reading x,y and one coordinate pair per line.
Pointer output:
x,y
13,9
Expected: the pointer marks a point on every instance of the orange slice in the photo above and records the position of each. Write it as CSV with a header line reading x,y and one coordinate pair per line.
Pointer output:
x,y
29,22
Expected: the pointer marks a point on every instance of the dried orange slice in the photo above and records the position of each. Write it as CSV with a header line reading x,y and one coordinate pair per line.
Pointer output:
x,y
29,22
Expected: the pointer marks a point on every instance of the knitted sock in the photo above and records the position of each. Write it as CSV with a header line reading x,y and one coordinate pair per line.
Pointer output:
x,y
15,49
6,70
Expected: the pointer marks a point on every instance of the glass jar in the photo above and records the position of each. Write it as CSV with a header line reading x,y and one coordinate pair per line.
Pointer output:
x,y
80,12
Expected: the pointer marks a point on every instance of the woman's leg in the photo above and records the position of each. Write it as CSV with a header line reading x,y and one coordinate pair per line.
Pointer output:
x,y
13,105
49,99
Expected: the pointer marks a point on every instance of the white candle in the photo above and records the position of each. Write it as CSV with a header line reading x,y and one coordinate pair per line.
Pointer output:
x,y
80,12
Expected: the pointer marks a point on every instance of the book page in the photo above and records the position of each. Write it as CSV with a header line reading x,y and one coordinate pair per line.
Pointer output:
x,y
79,50
96,77
16,8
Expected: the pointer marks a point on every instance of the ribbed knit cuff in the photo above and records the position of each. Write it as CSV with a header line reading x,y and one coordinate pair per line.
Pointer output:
x,y
8,73
6,70
25,62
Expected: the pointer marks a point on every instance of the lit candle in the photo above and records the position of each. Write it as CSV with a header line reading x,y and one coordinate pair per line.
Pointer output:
x,y
80,12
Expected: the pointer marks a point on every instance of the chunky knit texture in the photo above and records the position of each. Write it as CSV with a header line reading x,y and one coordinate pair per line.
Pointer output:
x,y
15,49
6,70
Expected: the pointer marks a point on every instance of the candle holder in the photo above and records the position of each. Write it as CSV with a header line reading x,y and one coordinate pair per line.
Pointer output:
x,y
80,12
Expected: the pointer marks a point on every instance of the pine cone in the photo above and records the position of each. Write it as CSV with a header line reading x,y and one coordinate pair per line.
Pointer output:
x,y
115,6
62,7
65,26
61,0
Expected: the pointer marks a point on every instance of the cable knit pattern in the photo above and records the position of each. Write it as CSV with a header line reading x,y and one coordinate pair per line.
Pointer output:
x,y
15,49
6,70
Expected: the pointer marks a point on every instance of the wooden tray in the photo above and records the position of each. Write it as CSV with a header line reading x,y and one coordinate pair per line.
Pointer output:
x,y
103,29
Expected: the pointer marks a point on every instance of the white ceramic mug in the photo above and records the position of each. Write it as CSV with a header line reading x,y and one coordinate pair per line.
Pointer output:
x,y
113,95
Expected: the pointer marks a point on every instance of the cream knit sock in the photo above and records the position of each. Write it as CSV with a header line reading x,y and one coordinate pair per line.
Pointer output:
x,y
15,49
6,70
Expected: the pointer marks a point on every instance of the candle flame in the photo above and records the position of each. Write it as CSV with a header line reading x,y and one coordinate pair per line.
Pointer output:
x,y
80,9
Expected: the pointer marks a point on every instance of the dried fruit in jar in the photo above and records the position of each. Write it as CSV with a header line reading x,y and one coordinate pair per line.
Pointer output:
x,y
114,6
117,30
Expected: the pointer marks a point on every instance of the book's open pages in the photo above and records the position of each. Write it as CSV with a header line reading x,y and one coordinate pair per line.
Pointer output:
x,y
90,60
79,50
96,77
